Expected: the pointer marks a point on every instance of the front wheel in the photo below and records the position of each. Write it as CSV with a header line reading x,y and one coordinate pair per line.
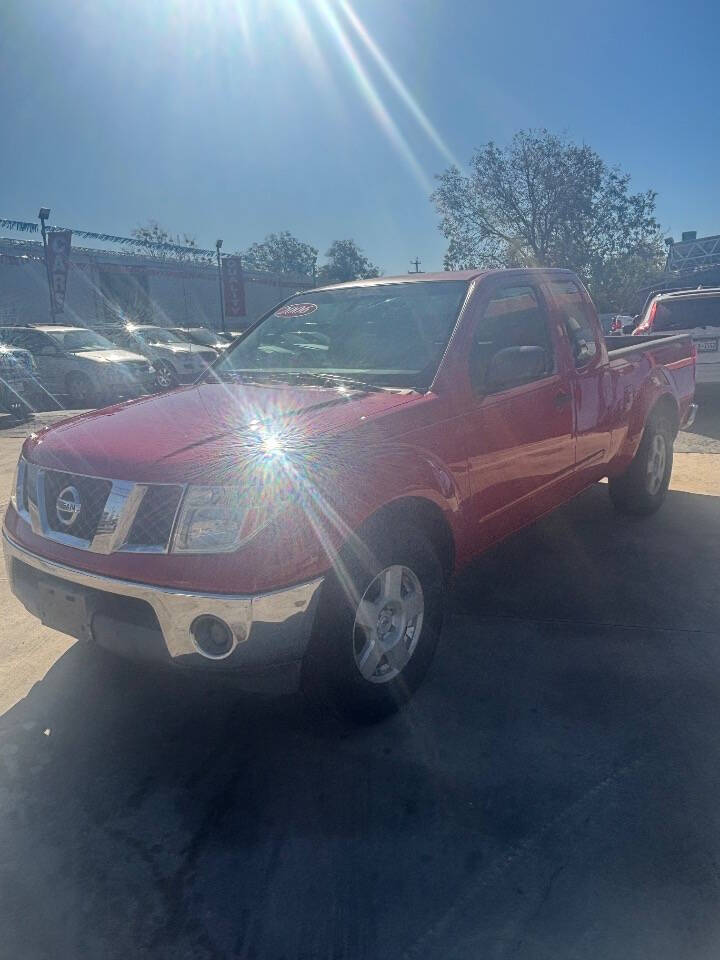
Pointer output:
x,y
377,626
165,375
641,490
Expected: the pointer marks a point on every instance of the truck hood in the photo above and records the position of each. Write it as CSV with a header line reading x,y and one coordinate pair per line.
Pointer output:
x,y
195,431
108,356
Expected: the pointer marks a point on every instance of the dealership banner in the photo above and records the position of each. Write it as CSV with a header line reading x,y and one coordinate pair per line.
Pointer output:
x,y
58,254
233,286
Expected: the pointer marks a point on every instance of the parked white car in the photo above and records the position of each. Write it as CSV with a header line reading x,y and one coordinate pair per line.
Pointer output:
x,y
175,360
696,312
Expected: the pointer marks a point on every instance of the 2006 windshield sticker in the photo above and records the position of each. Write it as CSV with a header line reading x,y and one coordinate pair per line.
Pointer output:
x,y
296,310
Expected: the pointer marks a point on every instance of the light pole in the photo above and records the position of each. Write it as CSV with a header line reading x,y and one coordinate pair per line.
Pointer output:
x,y
42,217
218,245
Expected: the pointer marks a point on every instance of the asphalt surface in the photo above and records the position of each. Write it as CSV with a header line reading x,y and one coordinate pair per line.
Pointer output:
x,y
551,791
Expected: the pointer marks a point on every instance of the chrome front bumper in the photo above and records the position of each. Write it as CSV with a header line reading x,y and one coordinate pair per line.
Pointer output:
x,y
268,629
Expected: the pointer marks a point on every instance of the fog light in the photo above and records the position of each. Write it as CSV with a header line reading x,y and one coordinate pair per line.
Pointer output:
x,y
213,637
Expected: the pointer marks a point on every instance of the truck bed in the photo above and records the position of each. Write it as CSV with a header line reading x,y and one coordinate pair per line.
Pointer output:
x,y
625,345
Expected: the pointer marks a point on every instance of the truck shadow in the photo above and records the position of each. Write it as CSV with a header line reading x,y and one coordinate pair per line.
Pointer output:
x,y
150,815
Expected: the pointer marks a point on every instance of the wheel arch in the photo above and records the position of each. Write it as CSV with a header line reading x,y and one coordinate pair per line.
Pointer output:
x,y
666,405
423,513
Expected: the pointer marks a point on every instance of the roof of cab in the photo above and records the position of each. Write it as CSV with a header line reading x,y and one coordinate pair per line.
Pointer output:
x,y
463,275
685,294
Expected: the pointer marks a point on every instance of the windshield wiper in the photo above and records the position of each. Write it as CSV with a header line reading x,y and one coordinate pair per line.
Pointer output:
x,y
294,376
332,379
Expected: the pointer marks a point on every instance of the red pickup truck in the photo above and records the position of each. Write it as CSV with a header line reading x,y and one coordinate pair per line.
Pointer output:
x,y
297,514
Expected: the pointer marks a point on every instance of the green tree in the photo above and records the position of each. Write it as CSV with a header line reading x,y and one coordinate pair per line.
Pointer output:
x,y
154,233
282,253
546,201
346,261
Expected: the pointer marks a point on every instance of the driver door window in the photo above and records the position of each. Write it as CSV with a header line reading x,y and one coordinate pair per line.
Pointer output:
x,y
513,318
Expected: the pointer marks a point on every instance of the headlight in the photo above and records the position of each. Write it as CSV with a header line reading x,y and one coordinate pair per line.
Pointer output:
x,y
16,491
219,520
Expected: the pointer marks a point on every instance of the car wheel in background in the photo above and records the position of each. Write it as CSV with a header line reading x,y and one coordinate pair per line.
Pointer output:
x,y
165,375
377,625
642,488
82,391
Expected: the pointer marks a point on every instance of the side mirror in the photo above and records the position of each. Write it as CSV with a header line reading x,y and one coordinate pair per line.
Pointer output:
x,y
515,365
628,328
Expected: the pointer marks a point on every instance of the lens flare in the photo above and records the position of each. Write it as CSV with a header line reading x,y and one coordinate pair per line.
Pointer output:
x,y
396,82
367,88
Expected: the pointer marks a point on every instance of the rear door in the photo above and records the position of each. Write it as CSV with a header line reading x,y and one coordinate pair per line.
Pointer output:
x,y
700,317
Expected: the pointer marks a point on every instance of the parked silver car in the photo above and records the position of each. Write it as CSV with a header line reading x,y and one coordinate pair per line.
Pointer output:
x,y
81,364
175,360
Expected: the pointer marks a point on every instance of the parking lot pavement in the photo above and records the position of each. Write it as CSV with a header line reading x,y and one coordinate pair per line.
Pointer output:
x,y
551,792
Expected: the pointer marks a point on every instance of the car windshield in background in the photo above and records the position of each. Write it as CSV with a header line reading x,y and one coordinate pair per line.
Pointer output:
x,y
157,335
77,341
387,334
687,314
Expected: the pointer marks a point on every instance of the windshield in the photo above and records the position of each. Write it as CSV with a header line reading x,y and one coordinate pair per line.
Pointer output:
x,y
156,335
386,334
77,341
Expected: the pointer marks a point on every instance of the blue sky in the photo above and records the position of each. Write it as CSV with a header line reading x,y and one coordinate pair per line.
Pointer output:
x,y
235,118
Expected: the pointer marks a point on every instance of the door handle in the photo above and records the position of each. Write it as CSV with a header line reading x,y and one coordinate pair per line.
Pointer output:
x,y
562,399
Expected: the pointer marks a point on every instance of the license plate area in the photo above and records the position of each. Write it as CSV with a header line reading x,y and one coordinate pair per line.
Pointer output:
x,y
707,346
65,606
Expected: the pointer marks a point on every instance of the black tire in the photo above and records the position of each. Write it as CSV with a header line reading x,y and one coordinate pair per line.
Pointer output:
x,y
635,492
82,391
165,375
331,675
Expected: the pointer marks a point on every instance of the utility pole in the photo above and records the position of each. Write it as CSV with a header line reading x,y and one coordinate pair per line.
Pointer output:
x,y
415,263
42,217
218,245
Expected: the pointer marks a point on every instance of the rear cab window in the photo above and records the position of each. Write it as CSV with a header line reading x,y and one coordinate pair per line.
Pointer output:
x,y
696,312
577,319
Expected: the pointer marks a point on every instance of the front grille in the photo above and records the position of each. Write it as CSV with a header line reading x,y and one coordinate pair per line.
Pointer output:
x,y
154,520
93,493
107,509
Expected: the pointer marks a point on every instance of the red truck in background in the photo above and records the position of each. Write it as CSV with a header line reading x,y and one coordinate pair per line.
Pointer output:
x,y
297,514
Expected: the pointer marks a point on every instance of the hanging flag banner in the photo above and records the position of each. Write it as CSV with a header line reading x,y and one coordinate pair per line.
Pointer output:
x,y
233,286
58,254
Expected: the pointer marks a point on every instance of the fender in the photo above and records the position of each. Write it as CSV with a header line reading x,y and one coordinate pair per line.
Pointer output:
x,y
657,388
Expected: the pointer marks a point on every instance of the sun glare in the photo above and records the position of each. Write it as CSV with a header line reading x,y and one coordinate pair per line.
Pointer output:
x,y
259,30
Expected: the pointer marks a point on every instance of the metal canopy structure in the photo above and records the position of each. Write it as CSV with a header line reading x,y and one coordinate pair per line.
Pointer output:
x,y
693,254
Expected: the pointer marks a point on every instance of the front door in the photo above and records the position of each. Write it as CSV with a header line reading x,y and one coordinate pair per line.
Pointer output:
x,y
519,436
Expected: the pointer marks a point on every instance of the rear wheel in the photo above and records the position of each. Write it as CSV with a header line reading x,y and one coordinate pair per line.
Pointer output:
x,y
641,490
377,626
